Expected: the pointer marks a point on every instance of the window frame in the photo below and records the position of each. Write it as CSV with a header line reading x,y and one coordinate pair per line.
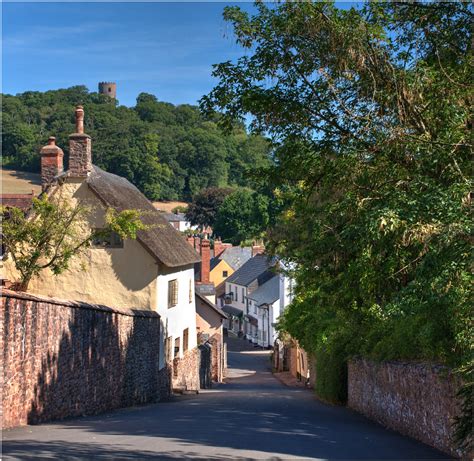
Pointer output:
x,y
172,293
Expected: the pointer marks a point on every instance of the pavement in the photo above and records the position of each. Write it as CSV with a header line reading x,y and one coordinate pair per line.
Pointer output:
x,y
251,416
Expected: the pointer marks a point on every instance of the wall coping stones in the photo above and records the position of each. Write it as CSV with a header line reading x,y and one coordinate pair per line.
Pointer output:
x,y
5,293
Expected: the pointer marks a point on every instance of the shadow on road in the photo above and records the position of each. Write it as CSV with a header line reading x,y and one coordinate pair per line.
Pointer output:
x,y
251,416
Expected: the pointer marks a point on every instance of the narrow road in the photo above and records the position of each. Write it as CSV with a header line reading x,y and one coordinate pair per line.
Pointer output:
x,y
251,416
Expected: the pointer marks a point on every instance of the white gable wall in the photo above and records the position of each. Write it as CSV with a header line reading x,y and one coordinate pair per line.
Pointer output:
x,y
177,318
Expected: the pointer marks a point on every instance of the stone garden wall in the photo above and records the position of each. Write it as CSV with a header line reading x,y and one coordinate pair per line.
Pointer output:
x,y
415,399
63,359
186,371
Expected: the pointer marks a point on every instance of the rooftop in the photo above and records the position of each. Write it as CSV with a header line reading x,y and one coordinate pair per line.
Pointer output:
x,y
256,268
267,293
236,257
163,242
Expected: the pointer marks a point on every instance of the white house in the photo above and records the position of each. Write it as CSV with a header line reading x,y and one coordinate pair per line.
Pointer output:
x,y
264,305
179,221
239,286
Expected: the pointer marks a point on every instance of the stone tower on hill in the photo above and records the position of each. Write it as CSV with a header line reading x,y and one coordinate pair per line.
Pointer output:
x,y
108,88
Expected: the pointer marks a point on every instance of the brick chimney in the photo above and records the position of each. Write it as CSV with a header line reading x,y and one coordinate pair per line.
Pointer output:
x,y
80,148
197,244
190,240
218,247
205,260
51,162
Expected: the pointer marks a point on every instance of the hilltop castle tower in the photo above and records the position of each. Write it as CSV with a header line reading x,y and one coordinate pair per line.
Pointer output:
x,y
108,88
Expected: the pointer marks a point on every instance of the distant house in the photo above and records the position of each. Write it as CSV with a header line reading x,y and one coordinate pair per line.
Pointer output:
x,y
179,221
226,263
264,306
239,286
155,271
209,324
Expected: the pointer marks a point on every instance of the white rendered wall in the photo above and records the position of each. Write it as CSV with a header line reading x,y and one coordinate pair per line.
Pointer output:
x,y
183,315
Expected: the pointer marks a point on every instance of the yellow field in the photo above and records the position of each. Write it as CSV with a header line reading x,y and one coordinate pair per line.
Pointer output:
x,y
20,182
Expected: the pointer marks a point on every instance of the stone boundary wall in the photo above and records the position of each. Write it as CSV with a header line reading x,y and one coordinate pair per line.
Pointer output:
x,y
67,358
186,371
217,357
415,399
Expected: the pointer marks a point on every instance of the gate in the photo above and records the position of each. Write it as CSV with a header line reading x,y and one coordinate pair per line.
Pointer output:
x,y
205,380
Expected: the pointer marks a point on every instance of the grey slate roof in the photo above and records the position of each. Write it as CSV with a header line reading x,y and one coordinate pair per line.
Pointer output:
x,y
174,217
256,268
267,293
162,241
228,309
236,257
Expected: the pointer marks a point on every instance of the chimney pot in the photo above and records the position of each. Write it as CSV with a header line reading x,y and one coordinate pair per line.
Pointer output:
x,y
79,119
52,141
80,148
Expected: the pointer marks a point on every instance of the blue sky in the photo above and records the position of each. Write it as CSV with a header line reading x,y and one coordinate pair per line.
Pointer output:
x,y
166,49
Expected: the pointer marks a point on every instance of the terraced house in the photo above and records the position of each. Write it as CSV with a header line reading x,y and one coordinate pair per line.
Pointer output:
x,y
239,286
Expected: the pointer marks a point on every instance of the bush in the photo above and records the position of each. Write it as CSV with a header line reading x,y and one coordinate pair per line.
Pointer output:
x,y
331,372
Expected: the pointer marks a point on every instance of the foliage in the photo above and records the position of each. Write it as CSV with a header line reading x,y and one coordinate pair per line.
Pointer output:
x,y
243,215
370,113
202,211
180,209
54,232
169,152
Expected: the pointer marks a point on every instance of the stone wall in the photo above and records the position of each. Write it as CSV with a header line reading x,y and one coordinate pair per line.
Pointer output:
x,y
186,371
65,359
217,357
415,399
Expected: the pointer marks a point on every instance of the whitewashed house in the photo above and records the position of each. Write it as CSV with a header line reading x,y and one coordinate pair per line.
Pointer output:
x,y
239,286
264,305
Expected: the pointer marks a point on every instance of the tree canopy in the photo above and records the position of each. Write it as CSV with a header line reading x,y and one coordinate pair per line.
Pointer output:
x,y
202,211
370,112
242,216
169,152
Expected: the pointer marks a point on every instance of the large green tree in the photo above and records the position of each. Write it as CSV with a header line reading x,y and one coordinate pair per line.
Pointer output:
x,y
370,112
242,216
202,211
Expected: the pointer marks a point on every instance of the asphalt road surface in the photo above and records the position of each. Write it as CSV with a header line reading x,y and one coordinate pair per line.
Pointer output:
x,y
251,416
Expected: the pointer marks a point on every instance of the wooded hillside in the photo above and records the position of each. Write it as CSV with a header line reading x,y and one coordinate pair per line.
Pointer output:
x,y
169,152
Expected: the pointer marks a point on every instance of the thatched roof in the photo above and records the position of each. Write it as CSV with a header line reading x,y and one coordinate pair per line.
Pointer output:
x,y
163,242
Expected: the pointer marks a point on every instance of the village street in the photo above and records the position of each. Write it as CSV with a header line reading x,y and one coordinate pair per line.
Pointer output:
x,y
251,416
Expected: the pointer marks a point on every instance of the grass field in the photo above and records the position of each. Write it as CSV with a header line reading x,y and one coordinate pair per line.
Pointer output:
x,y
20,182
168,206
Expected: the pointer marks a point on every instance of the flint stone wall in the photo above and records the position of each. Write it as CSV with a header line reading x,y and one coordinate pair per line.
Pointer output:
x,y
63,359
186,371
416,399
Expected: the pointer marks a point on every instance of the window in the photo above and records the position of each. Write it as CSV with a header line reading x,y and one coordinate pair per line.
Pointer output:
x,y
107,240
176,347
172,293
236,294
185,339
225,274
190,291
168,343
243,294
